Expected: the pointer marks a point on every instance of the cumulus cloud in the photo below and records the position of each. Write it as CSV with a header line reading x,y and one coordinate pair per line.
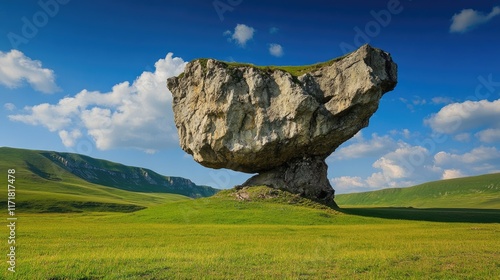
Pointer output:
x,y
53,117
477,155
16,68
405,133
404,166
401,164
241,35
410,165
348,183
136,115
468,19
69,138
276,50
452,174
361,147
489,135
458,117
397,164
479,160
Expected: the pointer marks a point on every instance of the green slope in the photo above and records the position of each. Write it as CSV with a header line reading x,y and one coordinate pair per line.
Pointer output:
x,y
470,192
43,186
267,206
250,205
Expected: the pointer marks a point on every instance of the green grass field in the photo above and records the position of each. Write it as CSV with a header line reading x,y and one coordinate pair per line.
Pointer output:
x,y
108,247
71,229
277,238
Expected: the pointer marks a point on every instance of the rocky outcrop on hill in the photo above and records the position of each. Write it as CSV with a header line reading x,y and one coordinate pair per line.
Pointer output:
x,y
280,123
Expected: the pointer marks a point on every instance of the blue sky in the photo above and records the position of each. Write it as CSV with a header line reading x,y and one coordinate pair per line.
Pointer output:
x,y
90,77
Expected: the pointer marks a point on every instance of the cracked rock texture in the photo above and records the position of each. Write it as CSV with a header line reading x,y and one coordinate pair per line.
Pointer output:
x,y
265,120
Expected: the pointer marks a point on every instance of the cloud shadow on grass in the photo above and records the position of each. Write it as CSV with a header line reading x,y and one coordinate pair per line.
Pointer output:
x,y
457,215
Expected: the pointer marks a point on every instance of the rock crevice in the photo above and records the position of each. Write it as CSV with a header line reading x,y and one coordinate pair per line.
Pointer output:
x,y
266,120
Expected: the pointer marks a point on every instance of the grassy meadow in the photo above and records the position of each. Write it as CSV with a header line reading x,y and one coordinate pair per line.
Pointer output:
x,y
224,238
68,228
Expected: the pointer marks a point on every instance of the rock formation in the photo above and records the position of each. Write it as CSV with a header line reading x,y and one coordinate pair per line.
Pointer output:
x,y
279,122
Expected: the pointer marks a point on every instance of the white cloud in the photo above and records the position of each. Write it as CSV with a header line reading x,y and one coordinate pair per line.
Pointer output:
x,y
242,34
457,117
441,100
276,50
405,133
452,174
69,138
376,146
479,155
401,168
347,183
467,19
480,160
400,164
489,135
405,166
53,117
15,68
136,115
9,106
462,137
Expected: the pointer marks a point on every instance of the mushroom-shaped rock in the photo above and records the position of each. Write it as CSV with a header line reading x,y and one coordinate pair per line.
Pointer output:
x,y
280,122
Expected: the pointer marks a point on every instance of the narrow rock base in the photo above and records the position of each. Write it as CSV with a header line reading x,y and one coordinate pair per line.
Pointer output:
x,y
306,177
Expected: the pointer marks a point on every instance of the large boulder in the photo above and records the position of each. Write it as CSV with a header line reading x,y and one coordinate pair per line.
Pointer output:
x,y
281,122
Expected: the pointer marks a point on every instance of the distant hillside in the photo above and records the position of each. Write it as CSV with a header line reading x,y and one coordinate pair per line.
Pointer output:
x,y
64,182
123,177
470,192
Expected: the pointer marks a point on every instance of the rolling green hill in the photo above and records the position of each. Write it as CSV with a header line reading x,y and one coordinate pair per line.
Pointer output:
x,y
261,233
470,192
249,205
64,182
